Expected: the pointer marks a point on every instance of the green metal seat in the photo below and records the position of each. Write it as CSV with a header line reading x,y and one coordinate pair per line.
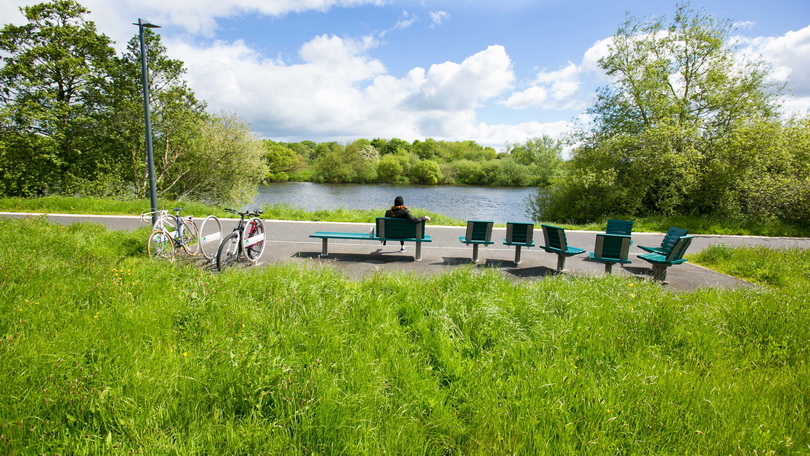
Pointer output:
x,y
660,263
611,249
669,241
519,235
556,242
478,233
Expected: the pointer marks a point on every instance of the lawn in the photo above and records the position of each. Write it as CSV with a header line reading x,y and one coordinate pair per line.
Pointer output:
x,y
105,351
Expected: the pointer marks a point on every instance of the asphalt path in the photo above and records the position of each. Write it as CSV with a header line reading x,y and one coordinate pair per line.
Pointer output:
x,y
289,241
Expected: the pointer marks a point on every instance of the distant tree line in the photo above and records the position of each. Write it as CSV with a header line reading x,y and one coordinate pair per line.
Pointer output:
x,y
535,162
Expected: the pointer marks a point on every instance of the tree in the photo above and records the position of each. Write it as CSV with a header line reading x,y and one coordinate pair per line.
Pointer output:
x,y
177,114
281,160
543,155
222,163
426,172
51,95
682,73
677,91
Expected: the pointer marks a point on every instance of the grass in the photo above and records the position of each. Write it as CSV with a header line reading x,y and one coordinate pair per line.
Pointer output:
x,y
775,268
105,351
658,224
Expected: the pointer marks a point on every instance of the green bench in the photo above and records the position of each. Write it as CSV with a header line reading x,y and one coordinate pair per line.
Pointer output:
x,y
660,262
623,227
669,241
611,249
519,235
556,242
386,229
478,233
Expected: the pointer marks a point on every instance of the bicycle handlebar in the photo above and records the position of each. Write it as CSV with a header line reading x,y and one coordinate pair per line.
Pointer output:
x,y
254,213
145,215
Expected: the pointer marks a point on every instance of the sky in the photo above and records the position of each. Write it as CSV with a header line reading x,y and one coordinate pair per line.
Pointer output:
x,y
497,72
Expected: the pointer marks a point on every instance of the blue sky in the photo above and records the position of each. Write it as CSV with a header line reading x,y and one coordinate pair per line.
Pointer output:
x,y
495,72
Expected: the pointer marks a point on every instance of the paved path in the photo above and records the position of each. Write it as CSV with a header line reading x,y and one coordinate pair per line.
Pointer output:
x,y
290,241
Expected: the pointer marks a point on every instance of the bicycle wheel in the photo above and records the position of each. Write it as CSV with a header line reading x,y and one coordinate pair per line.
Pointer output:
x,y
210,235
228,252
191,237
253,235
160,245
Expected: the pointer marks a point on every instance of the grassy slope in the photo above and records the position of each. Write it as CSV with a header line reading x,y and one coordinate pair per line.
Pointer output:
x,y
104,350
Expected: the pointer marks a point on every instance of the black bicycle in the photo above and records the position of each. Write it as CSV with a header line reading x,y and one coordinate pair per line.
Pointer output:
x,y
248,238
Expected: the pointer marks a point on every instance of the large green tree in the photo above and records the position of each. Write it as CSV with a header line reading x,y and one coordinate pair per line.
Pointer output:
x,y
683,72
677,90
51,96
71,117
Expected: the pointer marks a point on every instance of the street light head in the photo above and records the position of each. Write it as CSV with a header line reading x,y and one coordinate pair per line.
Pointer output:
x,y
141,23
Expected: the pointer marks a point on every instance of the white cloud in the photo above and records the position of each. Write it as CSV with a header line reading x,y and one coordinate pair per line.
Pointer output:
x,y
558,89
438,18
457,87
789,57
340,93
531,97
406,21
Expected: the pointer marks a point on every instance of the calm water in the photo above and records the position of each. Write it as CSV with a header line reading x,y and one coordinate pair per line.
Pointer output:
x,y
500,205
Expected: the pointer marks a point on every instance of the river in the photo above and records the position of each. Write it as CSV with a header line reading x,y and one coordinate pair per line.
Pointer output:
x,y
498,204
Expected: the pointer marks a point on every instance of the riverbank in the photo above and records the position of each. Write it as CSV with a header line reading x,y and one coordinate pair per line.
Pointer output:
x,y
655,224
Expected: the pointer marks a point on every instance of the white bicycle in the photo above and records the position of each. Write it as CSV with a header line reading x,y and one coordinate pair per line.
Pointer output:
x,y
171,233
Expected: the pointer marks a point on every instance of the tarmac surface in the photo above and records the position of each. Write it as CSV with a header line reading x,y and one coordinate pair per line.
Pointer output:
x,y
289,241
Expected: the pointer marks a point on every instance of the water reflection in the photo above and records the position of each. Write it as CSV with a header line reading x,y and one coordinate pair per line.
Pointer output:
x,y
465,203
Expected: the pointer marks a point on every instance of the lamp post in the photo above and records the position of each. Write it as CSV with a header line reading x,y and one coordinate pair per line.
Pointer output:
x,y
150,159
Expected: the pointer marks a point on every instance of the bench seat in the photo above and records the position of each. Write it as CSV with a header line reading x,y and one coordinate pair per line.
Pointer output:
x,y
556,242
519,234
660,262
397,229
478,233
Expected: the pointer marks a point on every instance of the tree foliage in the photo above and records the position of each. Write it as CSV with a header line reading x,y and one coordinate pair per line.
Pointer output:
x,y
71,116
50,98
686,127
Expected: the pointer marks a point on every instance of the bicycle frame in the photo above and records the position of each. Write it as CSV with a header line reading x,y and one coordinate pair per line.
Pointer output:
x,y
247,238
175,228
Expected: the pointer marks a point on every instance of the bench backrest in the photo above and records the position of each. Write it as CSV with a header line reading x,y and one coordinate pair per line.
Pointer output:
x,y
613,246
624,227
671,238
479,231
679,249
555,237
399,228
519,232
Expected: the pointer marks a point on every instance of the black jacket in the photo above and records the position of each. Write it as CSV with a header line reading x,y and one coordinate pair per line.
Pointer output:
x,y
403,212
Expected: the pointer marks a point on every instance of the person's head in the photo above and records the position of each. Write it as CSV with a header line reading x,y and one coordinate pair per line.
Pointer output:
x,y
399,201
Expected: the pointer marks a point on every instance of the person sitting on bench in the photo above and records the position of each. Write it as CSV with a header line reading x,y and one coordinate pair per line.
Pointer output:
x,y
400,210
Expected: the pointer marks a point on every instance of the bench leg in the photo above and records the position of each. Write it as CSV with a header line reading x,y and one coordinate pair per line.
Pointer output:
x,y
325,247
517,255
418,256
475,253
560,262
659,273
608,268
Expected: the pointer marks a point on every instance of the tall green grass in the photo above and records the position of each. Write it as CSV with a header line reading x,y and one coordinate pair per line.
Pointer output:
x,y
105,351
